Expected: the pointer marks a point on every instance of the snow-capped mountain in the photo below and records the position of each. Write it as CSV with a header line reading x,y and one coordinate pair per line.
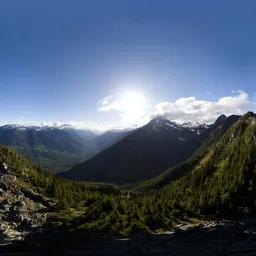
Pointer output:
x,y
160,123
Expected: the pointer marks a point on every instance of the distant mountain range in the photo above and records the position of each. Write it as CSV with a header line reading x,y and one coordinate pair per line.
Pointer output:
x,y
116,156
56,148
50,147
143,153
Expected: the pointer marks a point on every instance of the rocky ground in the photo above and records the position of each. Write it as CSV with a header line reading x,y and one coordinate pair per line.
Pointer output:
x,y
206,238
209,238
22,211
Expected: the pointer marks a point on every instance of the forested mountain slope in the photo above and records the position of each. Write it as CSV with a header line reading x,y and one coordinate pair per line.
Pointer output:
x,y
223,181
143,154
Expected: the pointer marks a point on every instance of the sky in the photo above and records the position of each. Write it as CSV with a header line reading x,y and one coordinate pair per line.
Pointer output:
x,y
106,64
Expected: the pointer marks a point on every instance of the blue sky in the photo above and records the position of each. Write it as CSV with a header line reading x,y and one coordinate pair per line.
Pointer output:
x,y
188,60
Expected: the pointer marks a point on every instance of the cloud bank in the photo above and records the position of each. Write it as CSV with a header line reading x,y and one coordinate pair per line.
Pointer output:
x,y
133,113
191,109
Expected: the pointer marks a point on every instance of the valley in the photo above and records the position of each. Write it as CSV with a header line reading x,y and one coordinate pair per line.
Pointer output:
x,y
55,148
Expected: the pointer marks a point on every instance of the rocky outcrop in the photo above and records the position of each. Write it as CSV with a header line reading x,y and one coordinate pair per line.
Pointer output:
x,y
20,213
28,192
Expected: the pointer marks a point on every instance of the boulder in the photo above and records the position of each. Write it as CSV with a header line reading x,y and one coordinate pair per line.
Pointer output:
x,y
4,168
28,192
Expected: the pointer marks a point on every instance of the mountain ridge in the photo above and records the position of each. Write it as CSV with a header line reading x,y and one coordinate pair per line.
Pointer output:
x,y
153,147
219,129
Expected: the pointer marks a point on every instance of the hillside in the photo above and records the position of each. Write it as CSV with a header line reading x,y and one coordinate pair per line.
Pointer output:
x,y
143,154
33,199
54,148
219,128
223,181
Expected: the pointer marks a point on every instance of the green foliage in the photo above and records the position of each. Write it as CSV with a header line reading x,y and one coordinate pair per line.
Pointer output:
x,y
99,207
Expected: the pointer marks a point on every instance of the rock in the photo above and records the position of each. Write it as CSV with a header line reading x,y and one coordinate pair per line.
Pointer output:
x,y
28,192
5,204
47,204
4,168
3,186
20,204
13,234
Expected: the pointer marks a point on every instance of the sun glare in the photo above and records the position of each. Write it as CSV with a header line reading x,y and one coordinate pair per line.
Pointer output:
x,y
133,104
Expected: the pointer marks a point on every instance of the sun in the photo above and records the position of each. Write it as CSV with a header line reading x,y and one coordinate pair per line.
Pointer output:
x,y
133,104
132,101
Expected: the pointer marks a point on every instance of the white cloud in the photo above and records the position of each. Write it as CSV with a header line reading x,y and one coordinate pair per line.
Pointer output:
x,y
105,101
193,110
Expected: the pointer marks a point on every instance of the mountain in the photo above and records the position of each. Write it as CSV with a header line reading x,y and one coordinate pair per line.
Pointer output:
x,y
55,148
220,119
222,180
143,154
109,138
220,127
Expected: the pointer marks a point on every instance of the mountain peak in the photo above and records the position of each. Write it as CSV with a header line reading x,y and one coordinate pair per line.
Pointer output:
x,y
220,119
161,122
